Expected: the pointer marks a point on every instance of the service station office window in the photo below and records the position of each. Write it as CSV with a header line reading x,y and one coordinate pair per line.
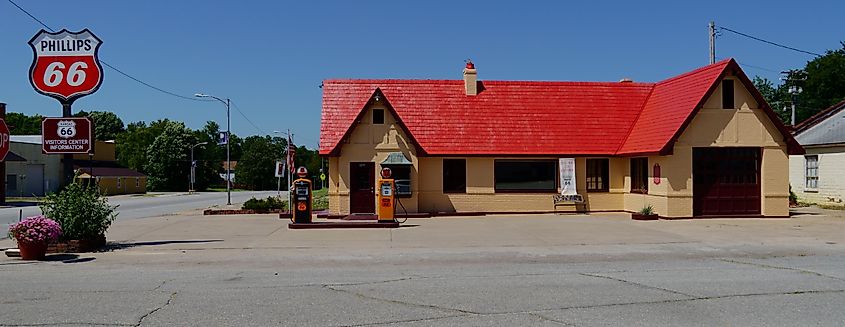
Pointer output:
x,y
597,175
454,176
639,175
525,176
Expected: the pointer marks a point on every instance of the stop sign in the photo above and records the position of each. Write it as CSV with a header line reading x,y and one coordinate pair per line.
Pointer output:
x,y
4,140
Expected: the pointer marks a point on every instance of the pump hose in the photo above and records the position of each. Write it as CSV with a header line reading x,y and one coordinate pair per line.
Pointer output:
x,y
396,199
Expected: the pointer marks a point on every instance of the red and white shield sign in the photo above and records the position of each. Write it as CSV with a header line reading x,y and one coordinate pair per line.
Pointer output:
x,y
65,65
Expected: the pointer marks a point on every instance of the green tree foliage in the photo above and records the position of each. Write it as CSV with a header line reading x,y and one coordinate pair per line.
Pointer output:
x,y
209,157
167,165
131,146
21,124
825,84
256,167
107,125
822,81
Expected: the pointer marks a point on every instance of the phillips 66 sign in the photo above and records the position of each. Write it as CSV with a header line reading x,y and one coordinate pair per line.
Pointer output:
x,y
65,66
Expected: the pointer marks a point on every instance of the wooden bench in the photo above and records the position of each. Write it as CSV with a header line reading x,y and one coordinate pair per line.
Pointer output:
x,y
566,200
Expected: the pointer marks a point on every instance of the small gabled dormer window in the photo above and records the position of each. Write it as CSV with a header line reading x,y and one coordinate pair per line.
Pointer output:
x,y
378,116
728,94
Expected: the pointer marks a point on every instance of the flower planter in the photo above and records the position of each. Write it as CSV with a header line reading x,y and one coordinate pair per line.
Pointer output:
x,y
33,251
77,246
639,216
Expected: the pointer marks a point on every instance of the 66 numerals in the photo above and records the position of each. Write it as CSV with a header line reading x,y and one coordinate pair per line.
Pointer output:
x,y
74,76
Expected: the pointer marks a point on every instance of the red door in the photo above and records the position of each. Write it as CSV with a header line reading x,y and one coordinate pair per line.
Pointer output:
x,y
362,197
726,181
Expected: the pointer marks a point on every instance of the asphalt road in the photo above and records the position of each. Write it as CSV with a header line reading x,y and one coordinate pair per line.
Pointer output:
x,y
597,270
152,205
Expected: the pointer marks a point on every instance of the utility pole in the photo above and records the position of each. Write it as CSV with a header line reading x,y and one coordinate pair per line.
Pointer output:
x,y
712,34
228,140
792,77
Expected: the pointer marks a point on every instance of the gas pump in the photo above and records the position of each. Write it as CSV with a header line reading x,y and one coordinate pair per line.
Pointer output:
x,y
302,197
385,196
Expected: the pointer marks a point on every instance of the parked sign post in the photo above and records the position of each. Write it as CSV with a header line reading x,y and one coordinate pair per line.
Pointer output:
x,y
65,67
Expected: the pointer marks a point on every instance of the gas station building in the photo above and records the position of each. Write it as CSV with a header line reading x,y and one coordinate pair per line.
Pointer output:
x,y
703,143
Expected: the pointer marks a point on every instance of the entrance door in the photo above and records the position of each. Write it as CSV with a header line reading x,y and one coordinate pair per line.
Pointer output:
x,y
726,181
362,197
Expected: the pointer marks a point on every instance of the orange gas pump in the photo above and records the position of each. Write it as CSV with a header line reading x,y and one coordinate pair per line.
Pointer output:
x,y
302,197
385,197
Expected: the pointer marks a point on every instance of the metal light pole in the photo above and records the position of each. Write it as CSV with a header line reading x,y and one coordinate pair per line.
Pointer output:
x,y
284,157
194,166
228,139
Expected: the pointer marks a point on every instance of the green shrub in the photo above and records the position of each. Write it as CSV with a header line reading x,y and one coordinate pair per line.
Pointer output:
x,y
81,211
647,210
269,203
793,199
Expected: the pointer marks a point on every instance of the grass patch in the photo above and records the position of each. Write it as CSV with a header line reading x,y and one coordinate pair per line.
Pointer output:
x,y
832,206
321,199
23,199
223,189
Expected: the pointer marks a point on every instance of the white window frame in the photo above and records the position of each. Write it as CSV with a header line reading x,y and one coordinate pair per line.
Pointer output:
x,y
811,173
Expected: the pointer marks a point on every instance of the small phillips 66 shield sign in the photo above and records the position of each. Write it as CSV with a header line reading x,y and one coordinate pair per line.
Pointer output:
x,y
66,135
65,65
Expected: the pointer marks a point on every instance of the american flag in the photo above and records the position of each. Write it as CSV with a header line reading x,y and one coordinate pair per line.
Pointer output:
x,y
291,155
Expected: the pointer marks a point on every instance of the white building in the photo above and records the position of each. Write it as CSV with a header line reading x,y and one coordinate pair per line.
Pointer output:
x,y
819,175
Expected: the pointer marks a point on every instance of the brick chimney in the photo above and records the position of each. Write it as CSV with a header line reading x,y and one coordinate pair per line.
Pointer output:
x,y
470,79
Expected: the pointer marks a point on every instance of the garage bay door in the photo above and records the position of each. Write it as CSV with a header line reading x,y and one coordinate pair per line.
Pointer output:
x,y
726,181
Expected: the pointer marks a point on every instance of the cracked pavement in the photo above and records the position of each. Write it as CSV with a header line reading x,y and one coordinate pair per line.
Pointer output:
x,y
542,270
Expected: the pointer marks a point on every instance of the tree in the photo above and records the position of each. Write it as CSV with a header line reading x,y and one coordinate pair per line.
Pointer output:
x,y
107,125
209,157
131,145
21,124
256,167
776,97
167,165
825,84
822,81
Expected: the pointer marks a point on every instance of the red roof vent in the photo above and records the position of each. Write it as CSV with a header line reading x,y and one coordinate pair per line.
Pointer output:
x,y
470,65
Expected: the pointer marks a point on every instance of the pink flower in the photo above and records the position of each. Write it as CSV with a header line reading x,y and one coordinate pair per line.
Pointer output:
x,y
35,229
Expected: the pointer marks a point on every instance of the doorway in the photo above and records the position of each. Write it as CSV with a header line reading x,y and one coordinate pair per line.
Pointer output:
x,y
726,181
362,197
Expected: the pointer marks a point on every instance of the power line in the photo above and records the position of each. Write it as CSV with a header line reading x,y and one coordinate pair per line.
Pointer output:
x,y
768,42
110,66
247,119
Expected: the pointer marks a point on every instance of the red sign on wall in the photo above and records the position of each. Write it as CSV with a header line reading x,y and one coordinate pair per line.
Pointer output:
x,y
66,135
656,174
65,65
4,140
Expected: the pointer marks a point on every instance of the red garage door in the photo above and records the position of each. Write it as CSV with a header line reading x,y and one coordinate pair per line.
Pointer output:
x,y
726,181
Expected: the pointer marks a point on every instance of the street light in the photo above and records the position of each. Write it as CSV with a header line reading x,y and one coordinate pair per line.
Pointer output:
x,y
194,166
228,138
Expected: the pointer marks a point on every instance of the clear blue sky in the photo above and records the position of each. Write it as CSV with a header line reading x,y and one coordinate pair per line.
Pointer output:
x,y
270,56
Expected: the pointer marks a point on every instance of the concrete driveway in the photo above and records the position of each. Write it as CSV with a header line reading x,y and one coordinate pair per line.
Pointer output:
x,y
541,270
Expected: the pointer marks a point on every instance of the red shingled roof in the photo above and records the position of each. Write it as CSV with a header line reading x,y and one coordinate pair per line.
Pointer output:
x,y
529,118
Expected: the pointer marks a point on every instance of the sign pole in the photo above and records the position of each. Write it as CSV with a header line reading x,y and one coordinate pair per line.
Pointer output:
x,y
3,164
67,161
